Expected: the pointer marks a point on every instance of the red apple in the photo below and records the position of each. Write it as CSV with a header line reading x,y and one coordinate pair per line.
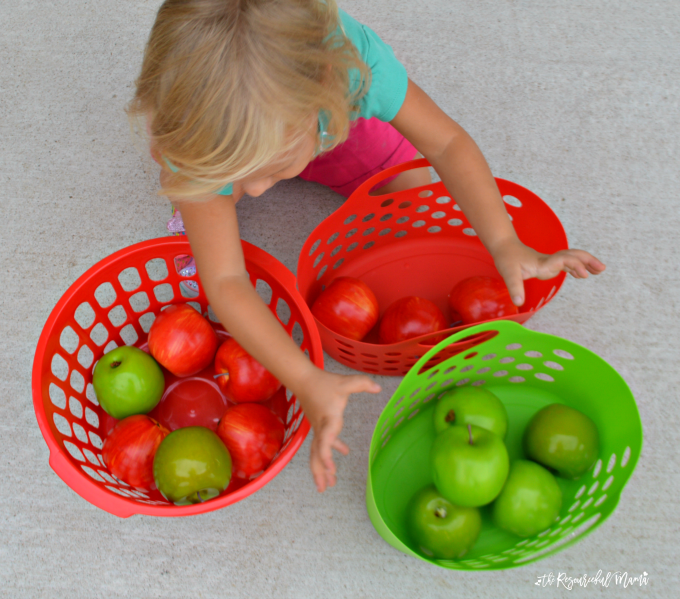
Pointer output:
x,y
130,448
253,435
347,307
481,298
410,317
182,340
240,376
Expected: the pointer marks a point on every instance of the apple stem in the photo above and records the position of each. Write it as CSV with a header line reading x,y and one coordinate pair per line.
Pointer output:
x,y
440,512
450,416
115,364
470,433
222,374
200,499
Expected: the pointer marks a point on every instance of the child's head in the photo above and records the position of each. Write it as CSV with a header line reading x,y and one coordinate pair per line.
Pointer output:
x,y
230,86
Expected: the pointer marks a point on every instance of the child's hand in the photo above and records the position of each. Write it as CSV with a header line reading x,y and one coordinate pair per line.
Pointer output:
x,y
516,262
323,398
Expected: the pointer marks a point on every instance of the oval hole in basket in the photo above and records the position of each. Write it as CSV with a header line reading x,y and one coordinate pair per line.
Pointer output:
x,y
69,340
85,356
264,290
57,396
117,316
332,238
283,310
315,245
105,295
512,201
157,269
84,315
386,203
404,205
129,279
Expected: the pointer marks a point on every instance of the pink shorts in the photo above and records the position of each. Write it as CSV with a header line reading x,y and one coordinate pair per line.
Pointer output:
x,y
372,146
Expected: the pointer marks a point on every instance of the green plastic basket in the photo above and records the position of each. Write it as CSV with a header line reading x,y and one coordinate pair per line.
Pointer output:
x,y
527,371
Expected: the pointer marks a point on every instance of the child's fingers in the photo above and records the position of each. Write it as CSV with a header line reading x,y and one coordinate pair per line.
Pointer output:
x,y
515,283
361,384
341,447
594,266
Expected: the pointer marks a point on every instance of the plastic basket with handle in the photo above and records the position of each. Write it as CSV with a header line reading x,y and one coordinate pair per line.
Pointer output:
x,y
527,371
415,242
114,303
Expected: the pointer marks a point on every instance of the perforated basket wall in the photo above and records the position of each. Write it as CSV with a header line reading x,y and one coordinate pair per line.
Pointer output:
x,y
114,303
415,242
527,371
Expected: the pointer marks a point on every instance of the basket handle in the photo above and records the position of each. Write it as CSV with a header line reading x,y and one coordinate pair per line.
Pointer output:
x,y
77,481
500,327
366,186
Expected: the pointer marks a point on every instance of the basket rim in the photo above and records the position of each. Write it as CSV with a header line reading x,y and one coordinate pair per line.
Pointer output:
x,y
124,507
499,326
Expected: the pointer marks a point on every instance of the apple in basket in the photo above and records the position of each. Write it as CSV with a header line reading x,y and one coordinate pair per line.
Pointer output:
x,y
253,434
481,298
241,377
563,439
182,340
439,528
469,465
530,501
471,405
129,450
410,317
347,307
192,465
127,381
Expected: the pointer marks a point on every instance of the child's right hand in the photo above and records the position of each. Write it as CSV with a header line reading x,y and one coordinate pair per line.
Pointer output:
x,y
323,397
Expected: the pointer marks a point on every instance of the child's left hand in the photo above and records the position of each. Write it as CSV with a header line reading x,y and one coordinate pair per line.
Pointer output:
x,y
323,396
516,262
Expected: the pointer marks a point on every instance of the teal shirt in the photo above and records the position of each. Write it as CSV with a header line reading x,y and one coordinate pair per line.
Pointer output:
x,y
389,80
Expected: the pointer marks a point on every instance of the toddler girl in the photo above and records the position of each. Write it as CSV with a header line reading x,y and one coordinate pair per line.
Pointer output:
x,y
239,94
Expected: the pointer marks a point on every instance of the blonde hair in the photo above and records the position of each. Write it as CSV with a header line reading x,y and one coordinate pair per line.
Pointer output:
x,y
229,85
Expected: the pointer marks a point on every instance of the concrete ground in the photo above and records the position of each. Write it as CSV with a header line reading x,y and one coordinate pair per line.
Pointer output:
x,y
578,101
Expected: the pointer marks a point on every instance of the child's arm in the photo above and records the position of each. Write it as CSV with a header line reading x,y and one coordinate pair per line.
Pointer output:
x,y
212,229
465,173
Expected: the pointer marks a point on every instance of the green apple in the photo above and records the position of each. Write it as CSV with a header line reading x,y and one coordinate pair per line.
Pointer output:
x,y
439,528
530,500
469,465
471,405
563,439
191,465
127,381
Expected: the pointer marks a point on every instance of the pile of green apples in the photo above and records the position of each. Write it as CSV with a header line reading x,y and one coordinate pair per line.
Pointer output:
x,y
471,468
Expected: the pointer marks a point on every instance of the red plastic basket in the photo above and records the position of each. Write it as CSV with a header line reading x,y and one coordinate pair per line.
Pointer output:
x,y
114,303
416,242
